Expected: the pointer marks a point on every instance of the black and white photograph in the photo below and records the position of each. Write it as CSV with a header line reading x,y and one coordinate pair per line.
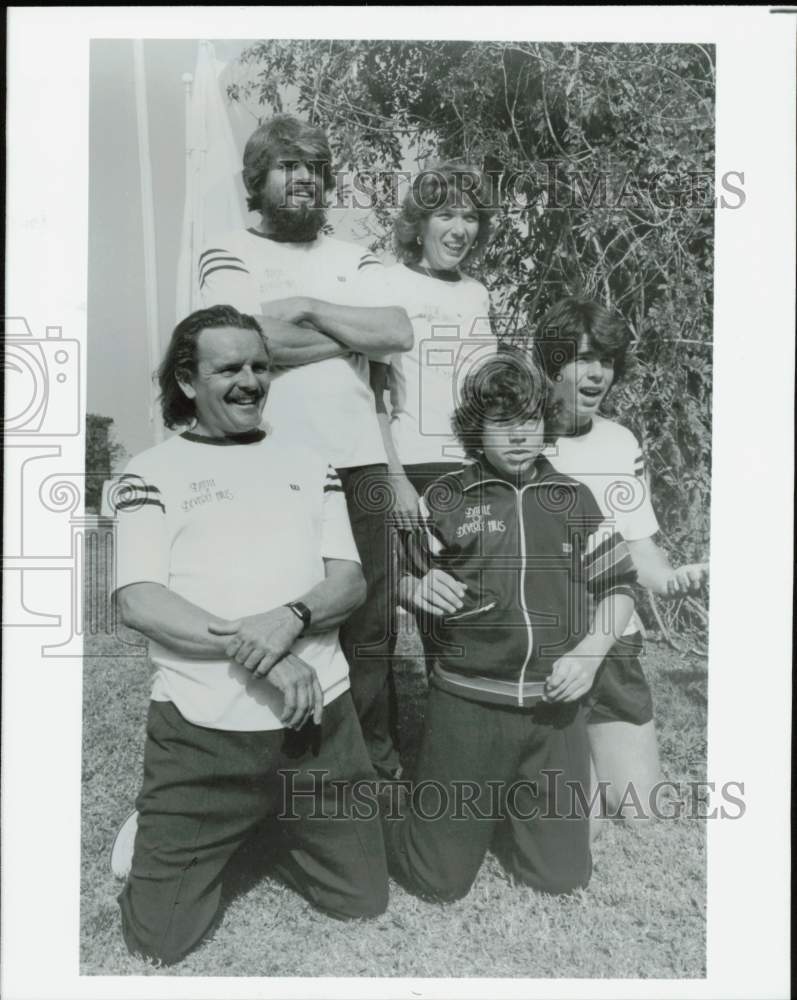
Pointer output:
x,y
383,427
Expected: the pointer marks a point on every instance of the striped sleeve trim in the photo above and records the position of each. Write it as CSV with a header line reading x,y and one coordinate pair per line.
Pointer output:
x,y
600,544
218,259
134,494
639,465
608,563
367,260
332,483
138,504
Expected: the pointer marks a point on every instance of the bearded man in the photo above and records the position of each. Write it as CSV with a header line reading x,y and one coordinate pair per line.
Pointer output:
x,y
327,312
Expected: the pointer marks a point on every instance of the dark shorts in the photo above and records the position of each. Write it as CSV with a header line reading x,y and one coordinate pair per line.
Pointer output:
x,y
621,692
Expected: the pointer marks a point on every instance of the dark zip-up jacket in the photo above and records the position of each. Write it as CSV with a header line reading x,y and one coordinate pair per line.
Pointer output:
x,y
529,552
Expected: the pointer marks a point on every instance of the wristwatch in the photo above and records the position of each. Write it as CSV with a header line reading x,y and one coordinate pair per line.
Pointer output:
x,y
301,611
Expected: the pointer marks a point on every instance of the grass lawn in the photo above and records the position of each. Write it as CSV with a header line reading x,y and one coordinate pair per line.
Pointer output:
x,y
643,914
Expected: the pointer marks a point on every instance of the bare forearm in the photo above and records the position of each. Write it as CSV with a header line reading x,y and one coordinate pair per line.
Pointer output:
x,y
333,599
161,615
652,565
393,461
294,357
609,622
364,329
294,344
379,374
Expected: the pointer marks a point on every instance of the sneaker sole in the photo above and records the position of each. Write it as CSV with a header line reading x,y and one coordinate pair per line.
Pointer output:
x,y
121,857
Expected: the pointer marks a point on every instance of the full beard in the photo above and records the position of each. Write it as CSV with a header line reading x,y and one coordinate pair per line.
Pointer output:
x,y
294,225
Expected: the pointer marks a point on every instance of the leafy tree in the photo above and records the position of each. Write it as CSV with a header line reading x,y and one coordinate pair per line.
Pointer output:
x,y
602,161
103,455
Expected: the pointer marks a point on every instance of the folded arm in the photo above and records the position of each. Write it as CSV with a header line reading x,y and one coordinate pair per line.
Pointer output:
x,y
293,341
168,619
259,641
331,330
369,330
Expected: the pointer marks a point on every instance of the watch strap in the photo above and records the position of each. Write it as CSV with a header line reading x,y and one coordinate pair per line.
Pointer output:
x,y
301,611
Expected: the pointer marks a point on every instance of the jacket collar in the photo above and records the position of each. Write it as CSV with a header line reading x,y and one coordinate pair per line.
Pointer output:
x,y
544,474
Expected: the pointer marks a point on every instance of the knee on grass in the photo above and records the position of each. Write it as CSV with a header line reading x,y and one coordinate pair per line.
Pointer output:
x,y
159,960
562,885
152,949
441,890
162,934
364,906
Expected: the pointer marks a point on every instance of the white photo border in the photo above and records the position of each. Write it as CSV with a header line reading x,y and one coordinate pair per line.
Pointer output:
x,y
749,724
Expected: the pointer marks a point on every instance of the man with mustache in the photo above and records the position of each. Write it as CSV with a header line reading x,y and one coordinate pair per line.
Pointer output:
x,y
235,558
324,302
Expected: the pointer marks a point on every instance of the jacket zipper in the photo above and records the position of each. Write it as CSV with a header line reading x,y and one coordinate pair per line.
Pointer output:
x,y
519,496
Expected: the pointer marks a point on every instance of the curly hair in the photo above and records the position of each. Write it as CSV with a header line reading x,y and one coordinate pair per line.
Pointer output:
x,y
284,137
181,358
509,387
431,190
566,324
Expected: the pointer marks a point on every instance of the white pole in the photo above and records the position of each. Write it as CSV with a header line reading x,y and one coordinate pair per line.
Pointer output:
x,y
190,263
148,220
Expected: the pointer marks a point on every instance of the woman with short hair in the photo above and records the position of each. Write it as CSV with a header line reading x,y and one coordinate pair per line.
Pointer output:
x,y
444,222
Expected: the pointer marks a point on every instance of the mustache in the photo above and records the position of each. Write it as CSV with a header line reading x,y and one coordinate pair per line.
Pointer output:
x,y
237,395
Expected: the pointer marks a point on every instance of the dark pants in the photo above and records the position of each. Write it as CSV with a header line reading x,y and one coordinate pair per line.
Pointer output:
x,y
366,636
206,790
494,766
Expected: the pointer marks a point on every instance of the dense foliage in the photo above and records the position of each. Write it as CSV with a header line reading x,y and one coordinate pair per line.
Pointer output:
x,y
602,160
103,455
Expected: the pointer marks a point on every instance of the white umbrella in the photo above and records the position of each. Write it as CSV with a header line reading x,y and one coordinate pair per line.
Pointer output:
x,y
214,195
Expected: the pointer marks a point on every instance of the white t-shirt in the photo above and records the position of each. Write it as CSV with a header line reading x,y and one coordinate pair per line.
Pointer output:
x,y
236,529
451,322
329,405
608,460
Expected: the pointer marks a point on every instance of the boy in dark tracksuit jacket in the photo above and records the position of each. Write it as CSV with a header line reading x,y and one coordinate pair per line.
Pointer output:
x,y
512,553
